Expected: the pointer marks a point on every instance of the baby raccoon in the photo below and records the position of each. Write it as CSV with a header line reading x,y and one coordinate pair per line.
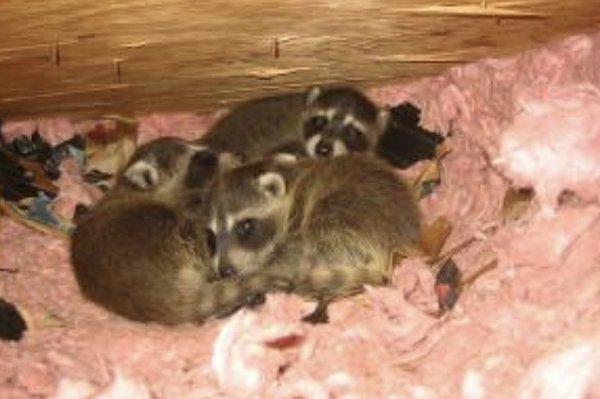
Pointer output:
x,y
157,167
327,226
324,122
161,164
260,127
151,166
141,251
341,120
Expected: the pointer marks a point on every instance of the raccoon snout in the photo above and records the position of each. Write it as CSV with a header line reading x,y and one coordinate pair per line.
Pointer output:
x,y
324,149
226,270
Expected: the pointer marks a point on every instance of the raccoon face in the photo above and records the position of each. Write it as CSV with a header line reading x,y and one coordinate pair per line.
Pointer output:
x,y
160,162
341,120
248,209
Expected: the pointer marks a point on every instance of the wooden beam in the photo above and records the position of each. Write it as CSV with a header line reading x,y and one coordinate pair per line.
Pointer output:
x,y
89,57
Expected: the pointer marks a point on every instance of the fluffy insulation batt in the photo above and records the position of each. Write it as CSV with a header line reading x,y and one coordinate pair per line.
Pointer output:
x,y
528,328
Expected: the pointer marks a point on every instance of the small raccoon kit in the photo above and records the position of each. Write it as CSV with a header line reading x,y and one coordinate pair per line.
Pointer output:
x,y
141,251
328,227
320,123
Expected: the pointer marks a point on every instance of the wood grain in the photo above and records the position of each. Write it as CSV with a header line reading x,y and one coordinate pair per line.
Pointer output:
x,y
89,57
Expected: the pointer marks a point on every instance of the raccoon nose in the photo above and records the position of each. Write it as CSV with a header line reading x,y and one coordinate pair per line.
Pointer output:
x,y
227,271
324,149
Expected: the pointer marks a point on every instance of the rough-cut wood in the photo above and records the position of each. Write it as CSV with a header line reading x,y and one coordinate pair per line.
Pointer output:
x,y
92,57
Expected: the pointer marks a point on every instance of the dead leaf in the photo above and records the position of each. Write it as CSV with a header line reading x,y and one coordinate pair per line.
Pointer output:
x,y
434,236
488,266
437,261
35,170
442,150
40,180
517,201
427,180
51,320
430,175
109,150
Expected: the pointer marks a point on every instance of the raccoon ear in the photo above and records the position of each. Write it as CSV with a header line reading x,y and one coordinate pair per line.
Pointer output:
x,y
272,184
202,166
383,117
229,160
142,175
205,158
313,94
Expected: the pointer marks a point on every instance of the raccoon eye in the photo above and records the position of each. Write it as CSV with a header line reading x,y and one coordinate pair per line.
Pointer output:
x,y
352,132
245,228
148,179
211,242
195,202
316,123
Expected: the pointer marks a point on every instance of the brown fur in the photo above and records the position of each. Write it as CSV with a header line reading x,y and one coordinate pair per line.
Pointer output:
x,y
260,127
340,120
337,223
264,126
141,251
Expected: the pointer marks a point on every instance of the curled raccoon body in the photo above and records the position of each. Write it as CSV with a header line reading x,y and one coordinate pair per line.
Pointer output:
x,y
319,123
328,227
141,251
341,120
260,127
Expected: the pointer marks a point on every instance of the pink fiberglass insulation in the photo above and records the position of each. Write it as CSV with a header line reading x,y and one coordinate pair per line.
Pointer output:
x,y
528,328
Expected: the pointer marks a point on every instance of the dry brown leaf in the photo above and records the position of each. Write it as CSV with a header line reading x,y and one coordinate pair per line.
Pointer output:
x,y
517,201
442,150
488,266
51,320
35,169
430,175
427,179
109,150
434,236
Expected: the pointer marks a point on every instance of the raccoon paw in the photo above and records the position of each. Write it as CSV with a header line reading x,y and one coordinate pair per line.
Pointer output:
x,y
319,315
255,300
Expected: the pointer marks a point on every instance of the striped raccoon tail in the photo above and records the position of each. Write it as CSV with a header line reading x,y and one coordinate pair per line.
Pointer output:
x,y
327,284
224,297
324,284
337,282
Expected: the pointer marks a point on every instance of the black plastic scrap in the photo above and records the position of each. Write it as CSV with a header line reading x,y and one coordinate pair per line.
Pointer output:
x,y
12,324
405,143
28,167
